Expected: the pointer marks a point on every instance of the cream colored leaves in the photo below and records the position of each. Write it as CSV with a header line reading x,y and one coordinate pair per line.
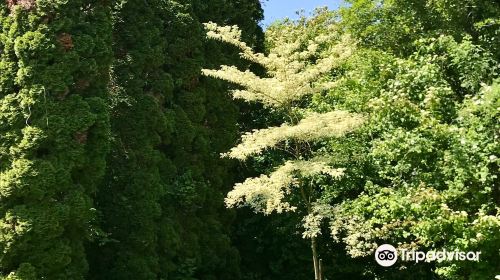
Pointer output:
x,y
297,66
314,127
232,35
294,68
267,193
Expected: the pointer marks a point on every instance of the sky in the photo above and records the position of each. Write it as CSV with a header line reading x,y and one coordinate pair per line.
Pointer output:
x,y
277,9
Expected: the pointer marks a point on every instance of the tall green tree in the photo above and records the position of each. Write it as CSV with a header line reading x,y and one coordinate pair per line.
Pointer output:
x,y
205,125
427,179
422,171
129,199
54,133
161,206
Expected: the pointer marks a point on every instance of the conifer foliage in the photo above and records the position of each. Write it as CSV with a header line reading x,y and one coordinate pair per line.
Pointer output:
x,y
119,139
161,204
54,133
129,197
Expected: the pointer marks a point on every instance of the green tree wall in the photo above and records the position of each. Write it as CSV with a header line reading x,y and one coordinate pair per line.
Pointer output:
x,y
205,121
54,127
129,198
161,206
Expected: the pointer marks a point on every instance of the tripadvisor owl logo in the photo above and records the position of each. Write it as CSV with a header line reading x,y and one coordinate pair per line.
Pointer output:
x,y
386,255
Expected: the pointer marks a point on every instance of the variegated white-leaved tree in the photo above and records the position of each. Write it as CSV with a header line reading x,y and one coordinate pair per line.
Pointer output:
x,y
297,67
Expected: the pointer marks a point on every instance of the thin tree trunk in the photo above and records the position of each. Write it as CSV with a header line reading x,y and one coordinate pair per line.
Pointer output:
x,y
317,271
316,261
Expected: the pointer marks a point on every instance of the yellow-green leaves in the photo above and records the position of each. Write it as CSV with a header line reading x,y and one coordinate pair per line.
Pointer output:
x,y
301,55
267,193
314,127
295,69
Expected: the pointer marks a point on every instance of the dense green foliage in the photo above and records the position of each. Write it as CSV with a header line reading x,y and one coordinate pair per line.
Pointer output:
x,y
54,127
394,25
161,202
129,197
159,208
423,171
111,140
428,177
